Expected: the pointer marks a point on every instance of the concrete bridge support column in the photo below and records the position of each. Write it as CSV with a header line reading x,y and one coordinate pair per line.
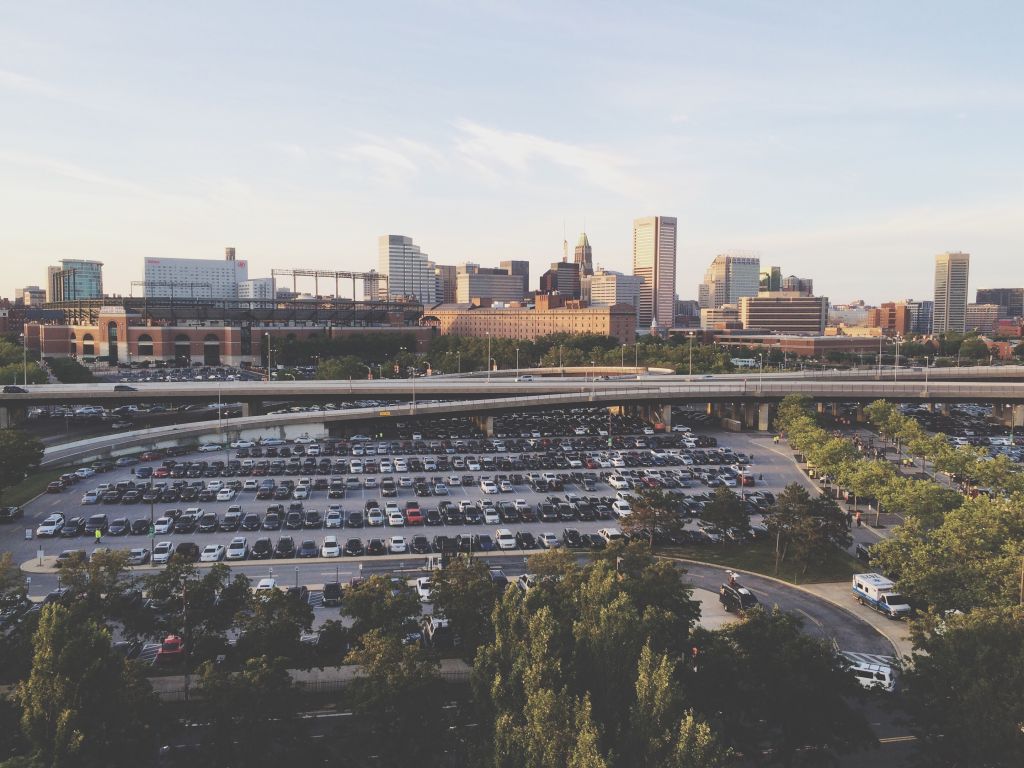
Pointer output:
x,y
820,407
485,424
858,414
749,415
944,409
764,416
5,418
834,410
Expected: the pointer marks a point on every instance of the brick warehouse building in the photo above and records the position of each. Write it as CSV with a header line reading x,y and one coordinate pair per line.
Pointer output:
x,y
228,334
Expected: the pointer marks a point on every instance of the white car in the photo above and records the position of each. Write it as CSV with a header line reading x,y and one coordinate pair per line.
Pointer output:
x,y
51,526
226,494
370,482
423,587
621,508
396,519
618,482
454,480
491,516
505,486
300,493
401,465
505,538
397,546
488,486
238,549
265,586
162,552
520,504
210,447
334,518
242,444
390,506
250,485
440,489
387,466
303,440
610,535
212,553
473,465
375,517
330,547
548,540
91,497
85,472
163,525
215,485
355,467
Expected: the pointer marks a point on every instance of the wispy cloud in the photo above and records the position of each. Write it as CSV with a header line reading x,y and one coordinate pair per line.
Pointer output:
x,y
390,160
495,153
15,81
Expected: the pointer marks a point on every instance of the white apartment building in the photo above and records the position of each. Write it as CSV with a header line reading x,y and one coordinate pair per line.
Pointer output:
x,y
409,270
728,279
194,278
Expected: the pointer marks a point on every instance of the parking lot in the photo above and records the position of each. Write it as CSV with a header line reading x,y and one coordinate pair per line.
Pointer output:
x,y
437,487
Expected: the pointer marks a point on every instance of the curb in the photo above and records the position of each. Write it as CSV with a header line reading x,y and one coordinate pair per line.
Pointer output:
x,y
784,583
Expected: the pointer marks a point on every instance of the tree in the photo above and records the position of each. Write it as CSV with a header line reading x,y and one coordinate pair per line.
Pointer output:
x,y
965,688
20,454
342,368
806,530
974,348
275,627
764,680
652,509
253,714
12,584
866,477
80,698
792,408
727,511
924,499
395,696
389,605
972,559
464,594
831,455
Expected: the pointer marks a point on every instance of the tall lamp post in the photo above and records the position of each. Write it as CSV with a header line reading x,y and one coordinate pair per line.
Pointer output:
x,y
24,357
690,334
517,362
488,356
896,360
760,374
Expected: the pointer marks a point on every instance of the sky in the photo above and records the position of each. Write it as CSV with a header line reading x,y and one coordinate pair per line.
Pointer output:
x,y
847,142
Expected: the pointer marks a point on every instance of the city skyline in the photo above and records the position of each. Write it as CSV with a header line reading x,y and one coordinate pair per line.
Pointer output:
x,y
838,145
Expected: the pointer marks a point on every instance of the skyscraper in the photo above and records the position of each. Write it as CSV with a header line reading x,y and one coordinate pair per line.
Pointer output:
x,y
1011,300
728,279
951,273
76,279
771,279
409,271
518,267
584,256
654,259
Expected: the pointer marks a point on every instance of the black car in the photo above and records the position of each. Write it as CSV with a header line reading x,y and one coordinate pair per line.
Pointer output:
x,y
96,523
443,544
353,548
592,541
285,547
376,547
272,522
298,593
332,594
432,517
863,552
124,388
482,542
185,523
262,549
187,552
208,523
73,527
313,519
354,520
10,514
119,526
420,545
525,540
293,521
307,549
736,598
250,522
140,526
232,520
571,538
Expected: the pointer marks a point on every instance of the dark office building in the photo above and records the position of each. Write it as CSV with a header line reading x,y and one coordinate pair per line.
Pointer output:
x,y
1009,300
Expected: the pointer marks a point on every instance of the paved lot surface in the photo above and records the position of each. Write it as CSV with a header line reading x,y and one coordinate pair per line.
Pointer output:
x,y
772,465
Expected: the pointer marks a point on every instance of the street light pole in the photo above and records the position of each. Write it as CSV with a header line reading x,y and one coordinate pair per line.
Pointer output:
x,y
896,360
24,356
517,362
760,375
488,356
691,355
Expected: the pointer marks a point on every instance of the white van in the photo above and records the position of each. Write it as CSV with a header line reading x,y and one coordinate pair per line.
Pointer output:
x,y
874,676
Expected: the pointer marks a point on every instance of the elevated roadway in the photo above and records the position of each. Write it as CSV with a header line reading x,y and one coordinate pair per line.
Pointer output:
x,y
747,401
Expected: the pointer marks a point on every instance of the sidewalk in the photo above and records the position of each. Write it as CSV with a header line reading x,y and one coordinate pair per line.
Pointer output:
x,y
838,593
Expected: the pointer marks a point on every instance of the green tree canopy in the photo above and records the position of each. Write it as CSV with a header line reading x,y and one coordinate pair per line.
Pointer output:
x,y
464,594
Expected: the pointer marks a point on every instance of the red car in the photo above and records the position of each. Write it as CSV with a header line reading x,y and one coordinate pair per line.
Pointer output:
x,y
151,456
162,472
172,650
413,516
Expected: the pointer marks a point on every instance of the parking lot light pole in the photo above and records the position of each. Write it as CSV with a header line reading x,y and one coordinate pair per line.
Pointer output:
x,y
517,362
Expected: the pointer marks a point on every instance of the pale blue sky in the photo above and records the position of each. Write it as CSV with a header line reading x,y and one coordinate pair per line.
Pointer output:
x,y
848,142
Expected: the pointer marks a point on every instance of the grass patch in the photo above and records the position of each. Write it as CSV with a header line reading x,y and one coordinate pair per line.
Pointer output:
x,y
20,494
759,557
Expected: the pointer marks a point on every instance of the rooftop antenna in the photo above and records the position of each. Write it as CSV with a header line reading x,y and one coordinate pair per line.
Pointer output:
x,y
565,243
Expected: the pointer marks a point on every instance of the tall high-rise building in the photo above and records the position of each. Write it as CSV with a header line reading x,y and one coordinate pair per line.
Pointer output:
x,y
1010,300
654,260
920,316
75,279
584,256
475,282
981,317
951,275
194,278
802,285
518,267
605,288
563,278
445,279
771,279
409,271
728,279
30,296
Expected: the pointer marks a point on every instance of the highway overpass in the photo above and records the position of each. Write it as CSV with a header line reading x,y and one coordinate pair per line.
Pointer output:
x,y
747,401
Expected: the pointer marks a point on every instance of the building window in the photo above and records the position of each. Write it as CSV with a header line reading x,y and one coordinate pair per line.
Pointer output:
x,y
145,345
